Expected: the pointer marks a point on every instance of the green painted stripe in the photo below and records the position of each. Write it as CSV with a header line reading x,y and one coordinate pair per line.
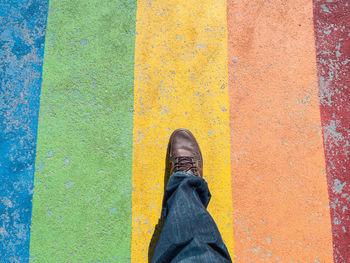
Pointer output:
x,y
83,177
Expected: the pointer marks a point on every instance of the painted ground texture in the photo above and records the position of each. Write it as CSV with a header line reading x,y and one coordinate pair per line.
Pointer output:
x,y
82,201
279,183
22,37
333,56
263,85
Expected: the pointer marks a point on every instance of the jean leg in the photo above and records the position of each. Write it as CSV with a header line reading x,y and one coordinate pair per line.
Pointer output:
x,y
189,233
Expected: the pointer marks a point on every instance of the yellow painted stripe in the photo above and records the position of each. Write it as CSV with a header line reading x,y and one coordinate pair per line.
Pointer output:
x,y
180,81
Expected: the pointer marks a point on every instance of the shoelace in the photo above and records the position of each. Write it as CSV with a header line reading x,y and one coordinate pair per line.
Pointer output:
x,y
185,164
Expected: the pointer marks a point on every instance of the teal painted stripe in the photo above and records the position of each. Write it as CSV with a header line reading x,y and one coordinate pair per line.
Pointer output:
x,y
83,177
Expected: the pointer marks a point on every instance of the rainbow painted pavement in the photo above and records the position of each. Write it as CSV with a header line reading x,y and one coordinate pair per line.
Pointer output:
x,y
263,85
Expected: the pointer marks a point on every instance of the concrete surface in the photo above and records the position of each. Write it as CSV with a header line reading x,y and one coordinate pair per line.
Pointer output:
x,y
278,167
82,200
22,38
332,31
263,85
180,81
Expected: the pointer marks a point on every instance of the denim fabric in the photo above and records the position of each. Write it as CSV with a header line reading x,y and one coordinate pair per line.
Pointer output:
x,y
189,233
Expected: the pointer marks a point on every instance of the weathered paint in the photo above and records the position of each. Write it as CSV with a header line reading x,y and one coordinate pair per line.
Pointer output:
x,y
180,81
280,198
22,35
82,199
82,209
332,31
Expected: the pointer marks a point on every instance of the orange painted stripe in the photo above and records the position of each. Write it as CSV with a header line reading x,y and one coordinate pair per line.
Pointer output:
x,y
280,199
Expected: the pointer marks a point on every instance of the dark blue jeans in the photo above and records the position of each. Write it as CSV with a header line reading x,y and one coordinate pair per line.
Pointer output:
x,y
189,233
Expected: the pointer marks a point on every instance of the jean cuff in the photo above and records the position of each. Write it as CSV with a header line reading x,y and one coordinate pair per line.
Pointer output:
x,y
183,173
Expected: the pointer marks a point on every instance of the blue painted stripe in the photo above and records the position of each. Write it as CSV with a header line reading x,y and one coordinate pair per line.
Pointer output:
x,y
22,37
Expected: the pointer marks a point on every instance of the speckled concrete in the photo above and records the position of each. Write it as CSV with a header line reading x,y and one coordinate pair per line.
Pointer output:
x,y
280,198
22,35
180,82
332,31
82,198
250,83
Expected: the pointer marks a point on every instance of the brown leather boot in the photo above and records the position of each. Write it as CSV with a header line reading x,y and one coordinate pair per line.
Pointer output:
x,y
184,153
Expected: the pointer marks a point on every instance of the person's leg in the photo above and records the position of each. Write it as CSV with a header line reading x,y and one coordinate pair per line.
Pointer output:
x,y
189,233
